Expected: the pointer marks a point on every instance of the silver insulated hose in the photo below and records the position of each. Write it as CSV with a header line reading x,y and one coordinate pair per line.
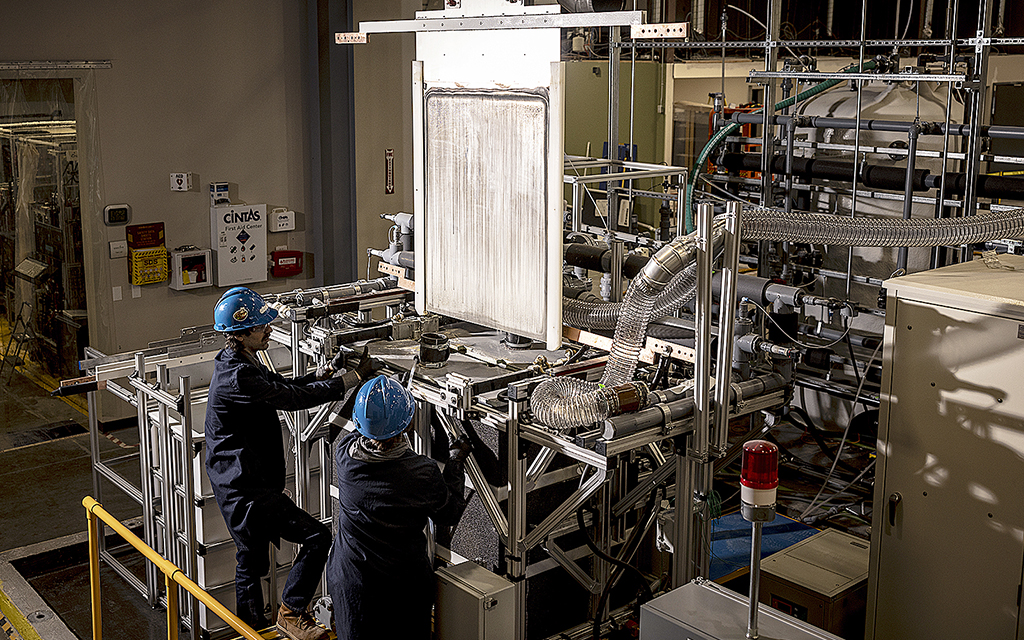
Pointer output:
x,y
668,281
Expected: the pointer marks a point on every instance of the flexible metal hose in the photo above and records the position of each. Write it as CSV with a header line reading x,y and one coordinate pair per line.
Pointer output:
x,y
821,228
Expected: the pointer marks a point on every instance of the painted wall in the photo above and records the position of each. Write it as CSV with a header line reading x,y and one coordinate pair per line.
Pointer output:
x,y
214,88
383,120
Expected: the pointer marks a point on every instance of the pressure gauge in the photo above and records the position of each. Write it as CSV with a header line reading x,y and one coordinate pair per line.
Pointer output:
x,y
117,214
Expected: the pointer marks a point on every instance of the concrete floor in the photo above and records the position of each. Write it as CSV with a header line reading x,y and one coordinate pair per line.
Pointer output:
x,y
45,471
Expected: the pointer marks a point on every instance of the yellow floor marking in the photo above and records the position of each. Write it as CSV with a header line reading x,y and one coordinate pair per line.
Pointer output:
x,y
13,616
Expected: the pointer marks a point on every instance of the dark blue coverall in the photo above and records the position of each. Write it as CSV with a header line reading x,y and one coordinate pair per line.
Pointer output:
x,y
245,461
379,576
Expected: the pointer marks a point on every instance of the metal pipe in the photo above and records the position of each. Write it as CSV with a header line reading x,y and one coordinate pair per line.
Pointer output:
x,y
95,534
189,482
171,589
168,495
614,57
1007,132
146,478
856,140
771,58
976,90
755,579
617,254
577,207
726,322
908,189
702,371
516,503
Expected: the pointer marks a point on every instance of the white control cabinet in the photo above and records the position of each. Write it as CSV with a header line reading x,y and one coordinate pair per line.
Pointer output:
x,y
947,540
238,235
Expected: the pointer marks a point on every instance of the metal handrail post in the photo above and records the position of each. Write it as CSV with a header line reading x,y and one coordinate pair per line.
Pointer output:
x,y
172,607
94,575
96,510
726,321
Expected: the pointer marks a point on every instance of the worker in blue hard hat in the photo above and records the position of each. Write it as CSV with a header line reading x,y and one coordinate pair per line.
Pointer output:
x,y
379,575
246,464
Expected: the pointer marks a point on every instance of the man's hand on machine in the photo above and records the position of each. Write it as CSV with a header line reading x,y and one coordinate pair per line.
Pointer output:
x,y
367,366
327,370
459,449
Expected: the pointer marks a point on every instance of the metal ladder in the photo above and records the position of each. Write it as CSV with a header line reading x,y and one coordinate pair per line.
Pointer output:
x,y
21,334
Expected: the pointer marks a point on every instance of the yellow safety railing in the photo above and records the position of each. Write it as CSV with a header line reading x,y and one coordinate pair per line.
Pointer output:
x,y
173,577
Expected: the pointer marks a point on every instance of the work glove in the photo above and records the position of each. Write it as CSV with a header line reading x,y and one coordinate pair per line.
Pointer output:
x,y
327,370
459,449
367,366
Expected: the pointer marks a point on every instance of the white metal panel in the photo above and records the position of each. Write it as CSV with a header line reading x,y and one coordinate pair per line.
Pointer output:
x,y
969,285
489,58
486,198
951,447
488,132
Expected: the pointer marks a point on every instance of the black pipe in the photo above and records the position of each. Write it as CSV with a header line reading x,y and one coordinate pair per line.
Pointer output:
x,y
598,258
882,177
894,126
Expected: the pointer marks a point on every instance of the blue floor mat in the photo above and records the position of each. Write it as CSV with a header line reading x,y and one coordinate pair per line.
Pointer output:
x,y
730,541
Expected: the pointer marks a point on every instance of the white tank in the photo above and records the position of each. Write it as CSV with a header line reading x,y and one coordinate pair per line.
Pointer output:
x,y
880,101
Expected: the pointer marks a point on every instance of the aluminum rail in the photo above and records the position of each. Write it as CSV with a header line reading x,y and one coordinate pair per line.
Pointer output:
x,y
726,320
483,488
174,577
477,23
881,77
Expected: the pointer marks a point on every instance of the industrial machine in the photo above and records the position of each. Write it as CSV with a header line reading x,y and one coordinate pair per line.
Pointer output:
x,y
597,410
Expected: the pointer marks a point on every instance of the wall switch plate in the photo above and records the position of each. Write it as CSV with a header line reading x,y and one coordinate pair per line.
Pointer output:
x,y
181,181
118,249
117,294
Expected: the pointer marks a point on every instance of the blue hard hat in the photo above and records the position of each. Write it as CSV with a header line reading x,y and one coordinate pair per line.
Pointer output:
x,y
241,308
384,408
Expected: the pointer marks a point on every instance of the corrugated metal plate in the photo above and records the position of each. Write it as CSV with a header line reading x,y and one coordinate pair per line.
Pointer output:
x,y
486,228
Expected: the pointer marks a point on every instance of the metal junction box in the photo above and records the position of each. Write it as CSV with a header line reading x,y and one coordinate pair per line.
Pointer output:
x,y
703,610
473,604
822,580
947,539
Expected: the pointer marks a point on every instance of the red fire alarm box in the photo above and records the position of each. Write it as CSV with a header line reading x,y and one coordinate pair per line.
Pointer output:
x,y
285,264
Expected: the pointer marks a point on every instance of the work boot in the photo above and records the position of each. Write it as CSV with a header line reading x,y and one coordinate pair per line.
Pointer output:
x,y
298,625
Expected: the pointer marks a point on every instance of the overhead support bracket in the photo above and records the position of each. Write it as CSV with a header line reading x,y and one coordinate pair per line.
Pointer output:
x,y
482,23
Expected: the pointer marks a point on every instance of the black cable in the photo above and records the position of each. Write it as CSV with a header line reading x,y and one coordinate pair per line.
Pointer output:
x,y
629,548
607,558
574,358
816,434
856,371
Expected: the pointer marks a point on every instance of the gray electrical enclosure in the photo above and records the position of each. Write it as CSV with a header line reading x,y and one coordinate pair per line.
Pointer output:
x,y
703,610
947,538
473,604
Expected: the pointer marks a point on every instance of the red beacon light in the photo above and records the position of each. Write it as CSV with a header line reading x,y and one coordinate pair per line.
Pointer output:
x,y
759,476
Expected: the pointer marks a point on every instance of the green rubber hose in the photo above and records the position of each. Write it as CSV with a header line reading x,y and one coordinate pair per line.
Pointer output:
x,y
731,128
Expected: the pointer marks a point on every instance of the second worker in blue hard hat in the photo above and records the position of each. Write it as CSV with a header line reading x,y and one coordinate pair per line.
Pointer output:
x,y
246,464
379,574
